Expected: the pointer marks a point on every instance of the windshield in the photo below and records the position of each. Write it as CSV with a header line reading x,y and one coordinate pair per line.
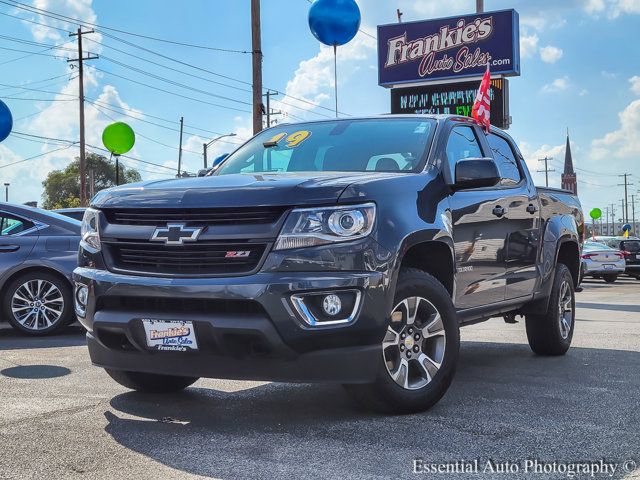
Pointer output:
x,y
380,145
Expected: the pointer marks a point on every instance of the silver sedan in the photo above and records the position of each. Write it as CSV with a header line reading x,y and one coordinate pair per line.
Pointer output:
x,y
601,261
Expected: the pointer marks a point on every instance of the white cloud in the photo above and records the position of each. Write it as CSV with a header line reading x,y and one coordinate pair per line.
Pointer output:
x,y
635,84
607,74
528,45
550,54
558,85
612,8
623,142
80,9
314,79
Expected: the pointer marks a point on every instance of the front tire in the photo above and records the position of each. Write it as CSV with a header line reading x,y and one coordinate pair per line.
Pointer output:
x,y
150,382
419,352
610,278
550,333
38,303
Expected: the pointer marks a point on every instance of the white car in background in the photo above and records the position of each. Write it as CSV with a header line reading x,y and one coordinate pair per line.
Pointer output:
x,y
602,261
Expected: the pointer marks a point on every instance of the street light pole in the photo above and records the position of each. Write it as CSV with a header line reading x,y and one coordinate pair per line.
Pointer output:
x,y
206,145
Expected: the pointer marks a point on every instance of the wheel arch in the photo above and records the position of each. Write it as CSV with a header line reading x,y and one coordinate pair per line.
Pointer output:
x,y
431,252
25,269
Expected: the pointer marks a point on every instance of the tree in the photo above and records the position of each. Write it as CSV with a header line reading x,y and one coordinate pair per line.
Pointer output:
x,y
62,187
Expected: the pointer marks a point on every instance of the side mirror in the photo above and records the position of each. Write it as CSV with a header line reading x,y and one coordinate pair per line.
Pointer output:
x,y
203,172
476,173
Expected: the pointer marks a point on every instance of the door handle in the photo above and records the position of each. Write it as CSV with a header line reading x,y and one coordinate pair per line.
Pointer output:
x,y
498,211
532,209
8,248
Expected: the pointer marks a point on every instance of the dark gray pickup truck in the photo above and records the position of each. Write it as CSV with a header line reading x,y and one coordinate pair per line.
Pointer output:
x,y
348,250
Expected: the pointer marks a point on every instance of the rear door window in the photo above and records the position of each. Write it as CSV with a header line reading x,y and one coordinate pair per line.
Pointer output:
x,y
10,225
505,160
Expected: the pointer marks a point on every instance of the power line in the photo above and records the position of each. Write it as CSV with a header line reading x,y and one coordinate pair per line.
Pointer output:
x,y
170,92
126,42
37,156
173,82
138,134
54,15
105,107
71,142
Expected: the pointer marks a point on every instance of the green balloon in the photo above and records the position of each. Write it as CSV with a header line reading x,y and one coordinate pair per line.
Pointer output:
x,y
596,213
118,138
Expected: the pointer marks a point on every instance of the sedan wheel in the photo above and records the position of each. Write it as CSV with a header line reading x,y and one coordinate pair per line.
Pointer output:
x,y
414,345
38,303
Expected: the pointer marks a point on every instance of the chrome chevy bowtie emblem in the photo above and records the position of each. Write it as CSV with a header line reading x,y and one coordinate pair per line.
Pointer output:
x,y
176,234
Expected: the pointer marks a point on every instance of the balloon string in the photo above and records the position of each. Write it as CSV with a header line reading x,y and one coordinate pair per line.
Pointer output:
x,y
335,75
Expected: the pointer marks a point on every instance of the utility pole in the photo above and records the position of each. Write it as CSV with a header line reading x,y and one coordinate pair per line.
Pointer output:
x,y
92,183
633,214
256,56
204,154
607,217
83,160
268,110
479,6
613,218
626,199
180,147
546,169
399,13
6,192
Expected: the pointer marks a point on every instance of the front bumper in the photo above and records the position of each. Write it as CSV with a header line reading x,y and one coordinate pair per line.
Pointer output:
x,y
268,342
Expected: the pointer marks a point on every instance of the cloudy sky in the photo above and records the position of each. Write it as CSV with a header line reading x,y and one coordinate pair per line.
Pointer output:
x,y
580,70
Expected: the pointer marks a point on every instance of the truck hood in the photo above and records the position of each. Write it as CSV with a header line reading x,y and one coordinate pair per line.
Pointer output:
x,y
237,190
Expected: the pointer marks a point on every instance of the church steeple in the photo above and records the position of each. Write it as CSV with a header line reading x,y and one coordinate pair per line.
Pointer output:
x,y
568,177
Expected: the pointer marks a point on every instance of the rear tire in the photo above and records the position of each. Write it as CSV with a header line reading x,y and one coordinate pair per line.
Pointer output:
x,y
414,370
610,278
150,382
38,303
550,333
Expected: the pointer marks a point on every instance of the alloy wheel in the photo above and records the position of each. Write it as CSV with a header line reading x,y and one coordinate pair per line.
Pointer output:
x,y
565,309
37,304
414,344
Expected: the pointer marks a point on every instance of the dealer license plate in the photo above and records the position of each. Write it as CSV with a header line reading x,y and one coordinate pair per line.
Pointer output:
x,y
608,267
171,336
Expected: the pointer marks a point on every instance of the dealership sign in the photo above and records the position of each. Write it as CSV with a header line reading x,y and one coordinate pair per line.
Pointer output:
x,y
454,47
454,98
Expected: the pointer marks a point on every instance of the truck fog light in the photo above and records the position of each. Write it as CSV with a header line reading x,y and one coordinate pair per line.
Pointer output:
x,y
332,305
81,297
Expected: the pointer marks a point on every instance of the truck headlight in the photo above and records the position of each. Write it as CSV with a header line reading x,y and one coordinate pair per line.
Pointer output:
x,y
90,238
306,227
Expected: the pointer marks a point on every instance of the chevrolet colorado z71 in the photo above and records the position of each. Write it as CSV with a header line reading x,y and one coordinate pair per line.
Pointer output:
x,y
347,250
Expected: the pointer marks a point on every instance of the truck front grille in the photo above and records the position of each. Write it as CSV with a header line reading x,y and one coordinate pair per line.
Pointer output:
x,y
194,216
199,259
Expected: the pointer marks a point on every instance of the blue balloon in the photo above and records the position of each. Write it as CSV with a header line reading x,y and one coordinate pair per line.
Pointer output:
x,y
6,121
334,22
626,227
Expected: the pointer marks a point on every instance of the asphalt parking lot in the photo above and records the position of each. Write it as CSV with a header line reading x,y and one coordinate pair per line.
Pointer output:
x,y
62,418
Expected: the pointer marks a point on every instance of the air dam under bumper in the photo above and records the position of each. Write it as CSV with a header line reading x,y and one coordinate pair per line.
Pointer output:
x,y
270,342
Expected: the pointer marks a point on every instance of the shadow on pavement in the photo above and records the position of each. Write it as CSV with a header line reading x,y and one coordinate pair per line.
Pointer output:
x,y
71,336
504,404
33,372
608,306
